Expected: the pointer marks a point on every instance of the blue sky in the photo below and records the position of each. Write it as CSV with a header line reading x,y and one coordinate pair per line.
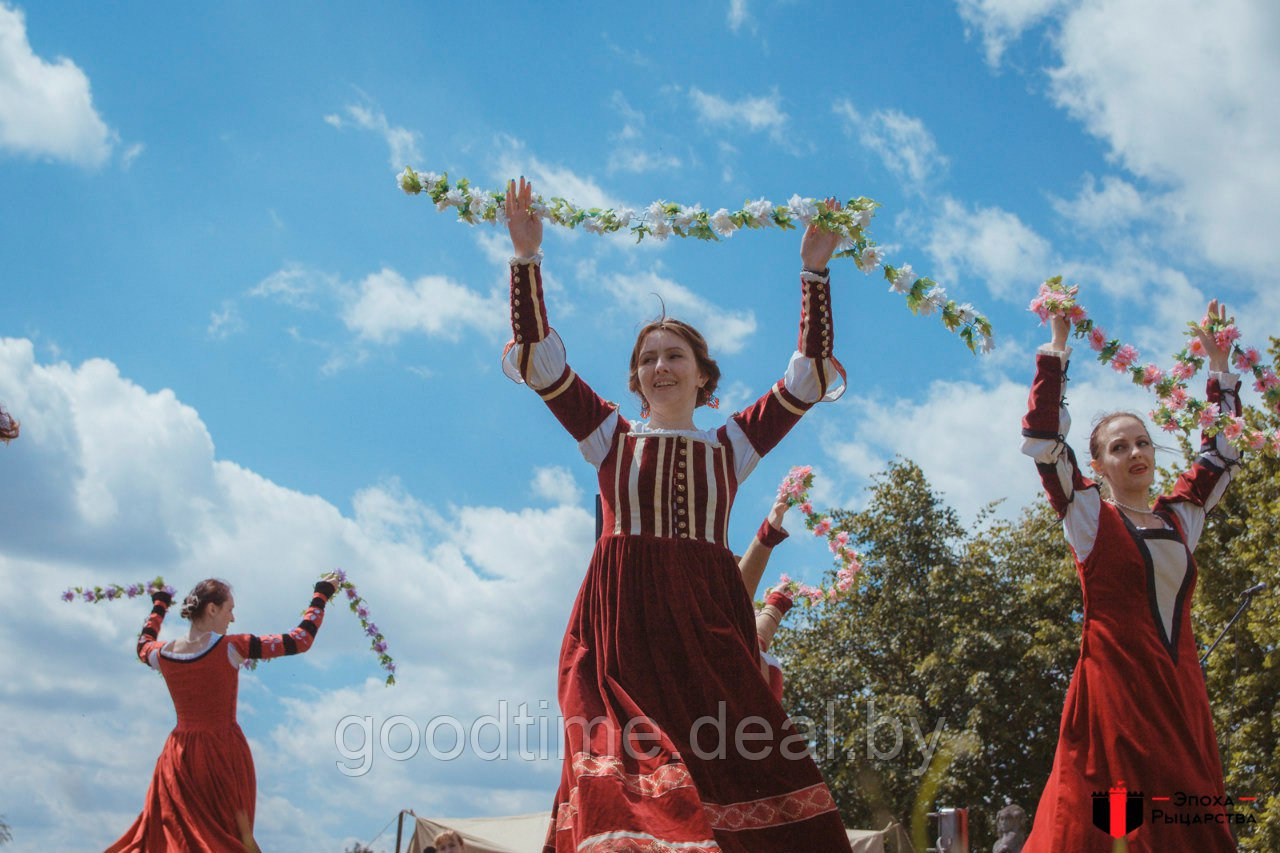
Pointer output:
x,y
237,349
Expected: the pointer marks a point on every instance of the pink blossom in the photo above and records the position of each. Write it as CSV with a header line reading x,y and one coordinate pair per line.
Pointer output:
x,y
1038,308
1184,370
811,592
1275,441
1246,359
1124,357
834,546
1097,338
1151,375
806,508
1076,315
1196,348
784,580
822,528
1177,398
1224,338
1268,381
1208,415
1257,440
1169,425
1233,428
843,537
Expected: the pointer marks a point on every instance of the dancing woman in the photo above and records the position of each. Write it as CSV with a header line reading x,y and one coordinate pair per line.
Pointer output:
x,y
661,634
203,792
1137,713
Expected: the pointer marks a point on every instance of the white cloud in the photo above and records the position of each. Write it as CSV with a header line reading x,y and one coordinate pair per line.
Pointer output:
x,y
402,144
991,245
753,113
1192,110
556,484
225,323
637,160
46,109
725,330
1104,206
1003,21
902,142
296,285
119,484
739,15
387,306
548,179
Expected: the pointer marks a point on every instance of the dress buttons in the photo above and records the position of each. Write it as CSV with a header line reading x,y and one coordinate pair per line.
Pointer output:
x,y
680,486
515,325
516,291
519,338
515,314
684,535
680,475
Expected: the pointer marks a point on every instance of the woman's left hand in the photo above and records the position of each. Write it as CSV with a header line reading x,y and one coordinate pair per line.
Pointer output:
x,y
778,511
1217,355
334,579
819,244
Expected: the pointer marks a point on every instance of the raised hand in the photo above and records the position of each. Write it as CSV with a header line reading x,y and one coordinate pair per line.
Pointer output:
x,y
1060,327
777,512
819,244
524,227
1217,355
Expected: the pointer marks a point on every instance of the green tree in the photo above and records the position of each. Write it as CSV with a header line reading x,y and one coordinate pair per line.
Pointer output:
x,y
1240,547
964,639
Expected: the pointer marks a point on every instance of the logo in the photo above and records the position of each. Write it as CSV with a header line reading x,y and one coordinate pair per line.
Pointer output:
x,y
1118,811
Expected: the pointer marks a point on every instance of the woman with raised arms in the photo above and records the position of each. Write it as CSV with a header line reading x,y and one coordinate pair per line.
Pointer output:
x,y
1137,715
673,740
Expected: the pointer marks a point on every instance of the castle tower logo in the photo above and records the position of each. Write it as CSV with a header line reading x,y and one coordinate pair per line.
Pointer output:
x,y
1117,811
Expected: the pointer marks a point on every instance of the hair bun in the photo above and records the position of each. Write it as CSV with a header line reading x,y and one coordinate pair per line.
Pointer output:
x,y
189,605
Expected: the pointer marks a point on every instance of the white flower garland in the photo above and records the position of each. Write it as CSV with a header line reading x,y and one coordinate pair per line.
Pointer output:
x,y
661,219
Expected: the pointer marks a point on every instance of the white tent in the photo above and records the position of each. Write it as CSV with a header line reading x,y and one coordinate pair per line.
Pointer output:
x,y
526,834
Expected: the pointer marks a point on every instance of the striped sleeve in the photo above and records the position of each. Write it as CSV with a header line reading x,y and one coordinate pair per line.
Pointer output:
x,y
1074,497
813,376
535,356
1199,488
149,638
297,641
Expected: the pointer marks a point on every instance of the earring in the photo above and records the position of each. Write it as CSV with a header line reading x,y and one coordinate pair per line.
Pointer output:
x,y
644,408
713,402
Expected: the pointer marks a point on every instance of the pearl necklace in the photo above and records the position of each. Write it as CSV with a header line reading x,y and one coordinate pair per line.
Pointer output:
x,y
1144,511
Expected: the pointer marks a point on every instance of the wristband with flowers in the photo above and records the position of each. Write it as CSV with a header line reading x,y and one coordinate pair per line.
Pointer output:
x,y
661,219
1178,410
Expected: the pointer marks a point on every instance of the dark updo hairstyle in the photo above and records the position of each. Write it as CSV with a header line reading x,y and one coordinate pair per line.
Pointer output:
x,y
706,364
208,591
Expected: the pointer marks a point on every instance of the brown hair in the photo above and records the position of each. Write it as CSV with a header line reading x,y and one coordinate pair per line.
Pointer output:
x,y
1095,450
208,591
449,835
706,364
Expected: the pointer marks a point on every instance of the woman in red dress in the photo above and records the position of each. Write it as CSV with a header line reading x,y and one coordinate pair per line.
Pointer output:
x,y
1137,715
203,792
673,741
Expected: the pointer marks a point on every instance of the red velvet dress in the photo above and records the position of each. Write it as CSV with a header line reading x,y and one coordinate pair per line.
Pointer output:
x,y
204,786
662,633
1137,716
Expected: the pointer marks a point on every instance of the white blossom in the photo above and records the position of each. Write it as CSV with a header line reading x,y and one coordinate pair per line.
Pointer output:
x,y
453,198
870,258
722,223
967,313
759,211
985,344
863,217
405,181
803,210
903,280
657,212
845,243
476,202
661,229
687,215
934,299
539,208
625,215
592,225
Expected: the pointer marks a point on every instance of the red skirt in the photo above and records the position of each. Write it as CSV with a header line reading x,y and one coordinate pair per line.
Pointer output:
x,y
673,741
202,781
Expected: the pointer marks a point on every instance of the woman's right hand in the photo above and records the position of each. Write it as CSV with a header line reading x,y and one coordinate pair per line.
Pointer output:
x,y
524,227
1061,328
777,512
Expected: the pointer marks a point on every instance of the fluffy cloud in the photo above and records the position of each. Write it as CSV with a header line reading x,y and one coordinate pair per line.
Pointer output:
x,y
387,306
119,483
754,114
549,179
739,15
726,331
46,109
402,144
991,245
902,142
1002,21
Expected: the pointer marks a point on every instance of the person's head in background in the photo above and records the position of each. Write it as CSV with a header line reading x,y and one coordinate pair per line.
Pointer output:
x,y
450,842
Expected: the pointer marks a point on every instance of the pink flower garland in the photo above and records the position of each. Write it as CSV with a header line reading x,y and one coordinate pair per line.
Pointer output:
x,y
1178,410
795,489
377,642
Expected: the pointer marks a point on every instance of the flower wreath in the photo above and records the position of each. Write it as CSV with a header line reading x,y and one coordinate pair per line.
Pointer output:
x,y
795,489
1178,410
114,591
661,219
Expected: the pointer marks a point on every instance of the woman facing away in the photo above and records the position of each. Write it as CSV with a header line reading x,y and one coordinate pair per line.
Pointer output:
x,y
203,792
673,741
1137,715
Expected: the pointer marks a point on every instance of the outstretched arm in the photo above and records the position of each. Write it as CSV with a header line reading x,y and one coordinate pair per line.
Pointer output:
x,y
756,558
1074,497
1199,489
535,355
813,372
297,641
149,638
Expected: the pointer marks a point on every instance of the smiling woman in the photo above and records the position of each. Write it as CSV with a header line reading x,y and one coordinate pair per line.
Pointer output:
x,y
662,638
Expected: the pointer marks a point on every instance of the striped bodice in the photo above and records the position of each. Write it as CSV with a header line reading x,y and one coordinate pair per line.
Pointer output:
x,y
672,485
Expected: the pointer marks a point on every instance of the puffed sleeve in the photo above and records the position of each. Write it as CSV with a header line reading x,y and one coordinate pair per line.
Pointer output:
x,y
812,376
253,647
1074,497
535,356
